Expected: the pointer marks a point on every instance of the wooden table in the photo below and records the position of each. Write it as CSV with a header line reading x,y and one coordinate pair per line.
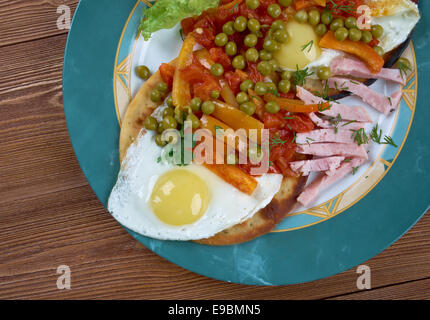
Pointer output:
x,y
49,216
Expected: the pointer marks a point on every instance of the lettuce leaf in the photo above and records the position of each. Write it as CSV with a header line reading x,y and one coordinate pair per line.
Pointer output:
x,y
165,14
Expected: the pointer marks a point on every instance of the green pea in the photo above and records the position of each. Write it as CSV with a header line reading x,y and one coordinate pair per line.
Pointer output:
x,y
151,123
285,3
286,75
314,17
255,154
284,86
240,24
321,29
377,31
251,55
221,39
274,10
254,25
270,45
355,34
272,107
217,70
179,115
159,140
366,36
215,94
196,104
156,96
252,4
208,107
245,85
162,87
239,62
242,97
160,128
232,159
379,50
405,64
260,88
169,122
336,24
324,73
143,72
273,64
168,112
194,120
250,40
301,16
341,34
248,108
281,35
278,24
326,17
265,68
169,102
351,22
271,87
228,28
265,55
231,48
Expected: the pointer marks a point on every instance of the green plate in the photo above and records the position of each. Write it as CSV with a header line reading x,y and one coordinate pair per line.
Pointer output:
x,y
339,233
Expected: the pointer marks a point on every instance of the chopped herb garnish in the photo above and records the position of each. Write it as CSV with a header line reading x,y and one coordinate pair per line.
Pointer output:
x,y
158,159
347,8
181,32
347,160
389,100
301,75
376,136
354,170
390,141
321,107
360,136
308,46
348,123
404,68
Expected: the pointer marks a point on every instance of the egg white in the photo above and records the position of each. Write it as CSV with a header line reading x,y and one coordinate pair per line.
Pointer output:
x,y
397,17
129,202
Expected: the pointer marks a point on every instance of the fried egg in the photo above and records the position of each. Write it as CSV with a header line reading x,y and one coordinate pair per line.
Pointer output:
x,y
302,50
161,200
397,17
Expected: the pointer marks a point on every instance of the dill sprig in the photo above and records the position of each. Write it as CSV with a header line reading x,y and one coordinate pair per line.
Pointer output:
x,y
347,8
308,46
404,68
301,75
360,136
376,136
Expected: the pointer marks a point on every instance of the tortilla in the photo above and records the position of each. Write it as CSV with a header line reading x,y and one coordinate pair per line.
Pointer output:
x,y
261,223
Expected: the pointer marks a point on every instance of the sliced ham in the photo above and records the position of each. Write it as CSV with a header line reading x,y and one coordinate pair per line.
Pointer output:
x,y
345,112
343,66
376,100
312,191
333,149
322,123
317,165
325,135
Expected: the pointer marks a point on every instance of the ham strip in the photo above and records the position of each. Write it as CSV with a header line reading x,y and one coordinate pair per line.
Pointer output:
x,y
376,100
346,112
333,149
329,124
317,165
312,191
325,135
342,66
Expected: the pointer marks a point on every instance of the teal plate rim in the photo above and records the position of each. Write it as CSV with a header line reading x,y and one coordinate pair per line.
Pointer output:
x,y
297,256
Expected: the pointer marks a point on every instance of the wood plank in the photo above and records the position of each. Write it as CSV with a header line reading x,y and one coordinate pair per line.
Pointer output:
x,y
23,20
413,290
49,215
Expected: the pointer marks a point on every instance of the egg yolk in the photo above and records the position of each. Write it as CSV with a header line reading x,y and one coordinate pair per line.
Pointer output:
x,y
179,197
301,48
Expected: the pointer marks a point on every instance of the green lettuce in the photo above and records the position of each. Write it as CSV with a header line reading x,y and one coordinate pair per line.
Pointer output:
x,y
165,14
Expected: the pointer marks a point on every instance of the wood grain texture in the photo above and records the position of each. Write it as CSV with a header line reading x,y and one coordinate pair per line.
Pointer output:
x,y
49,216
